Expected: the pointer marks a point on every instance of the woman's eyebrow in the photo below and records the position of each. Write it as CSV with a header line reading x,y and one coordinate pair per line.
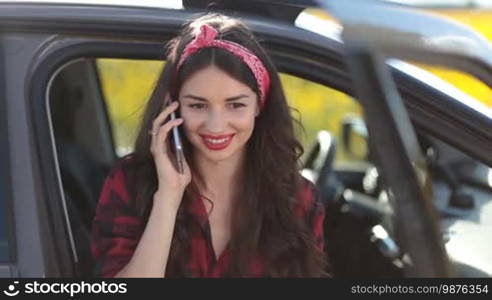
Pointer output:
x,y
205,100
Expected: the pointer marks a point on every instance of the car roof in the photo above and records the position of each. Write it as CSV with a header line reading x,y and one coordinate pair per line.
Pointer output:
x,y
170,4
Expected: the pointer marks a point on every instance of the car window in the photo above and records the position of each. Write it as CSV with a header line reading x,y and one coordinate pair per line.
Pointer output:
x,y
112,93
322,108
126,85
462,87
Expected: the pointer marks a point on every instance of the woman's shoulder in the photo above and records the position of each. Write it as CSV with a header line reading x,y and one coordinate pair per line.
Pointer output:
x,y
309,191
307,197
116,183
123,163
122,167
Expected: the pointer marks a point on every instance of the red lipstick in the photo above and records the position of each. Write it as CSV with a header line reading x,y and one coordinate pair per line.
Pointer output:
x,y
217,142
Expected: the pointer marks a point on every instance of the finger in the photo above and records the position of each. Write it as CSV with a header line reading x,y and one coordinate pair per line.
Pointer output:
x,y
155,133
163,131
163,115
159,139
157,123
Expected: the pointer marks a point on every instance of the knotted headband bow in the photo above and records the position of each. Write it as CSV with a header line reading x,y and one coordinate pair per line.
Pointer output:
x,y
206,38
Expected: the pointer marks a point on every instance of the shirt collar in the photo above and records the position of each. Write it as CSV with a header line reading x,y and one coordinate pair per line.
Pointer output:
x,y
198,211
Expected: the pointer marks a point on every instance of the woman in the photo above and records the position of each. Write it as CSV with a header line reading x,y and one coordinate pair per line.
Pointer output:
x,y
240,208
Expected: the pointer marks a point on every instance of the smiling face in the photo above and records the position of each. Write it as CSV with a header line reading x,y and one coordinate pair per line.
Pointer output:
x,y
219,114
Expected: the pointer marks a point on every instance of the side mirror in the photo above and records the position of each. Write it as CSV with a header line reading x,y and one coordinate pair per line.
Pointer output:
x,y
355,138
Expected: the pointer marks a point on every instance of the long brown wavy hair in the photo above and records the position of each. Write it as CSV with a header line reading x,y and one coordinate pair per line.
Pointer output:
x,y
263,219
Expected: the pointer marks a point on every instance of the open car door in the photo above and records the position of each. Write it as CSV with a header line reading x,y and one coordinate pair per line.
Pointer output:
x,y
372,39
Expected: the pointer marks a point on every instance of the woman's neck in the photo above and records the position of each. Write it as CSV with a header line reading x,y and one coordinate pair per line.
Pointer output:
x,y
220,178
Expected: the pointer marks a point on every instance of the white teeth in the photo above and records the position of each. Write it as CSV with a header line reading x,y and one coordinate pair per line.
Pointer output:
x,y
217,141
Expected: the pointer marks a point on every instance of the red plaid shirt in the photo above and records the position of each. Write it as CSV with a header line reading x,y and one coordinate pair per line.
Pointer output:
x,y
117,230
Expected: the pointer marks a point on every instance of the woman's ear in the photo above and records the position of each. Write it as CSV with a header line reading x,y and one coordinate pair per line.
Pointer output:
x,y
257,113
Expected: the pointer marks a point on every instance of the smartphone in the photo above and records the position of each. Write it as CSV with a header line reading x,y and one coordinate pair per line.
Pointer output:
x,y
177,146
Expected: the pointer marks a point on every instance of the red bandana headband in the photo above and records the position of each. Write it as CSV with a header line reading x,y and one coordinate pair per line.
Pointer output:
x,y
206,38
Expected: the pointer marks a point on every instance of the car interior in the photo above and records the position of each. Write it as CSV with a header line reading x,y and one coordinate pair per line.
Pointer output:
x,y
360,234
84,149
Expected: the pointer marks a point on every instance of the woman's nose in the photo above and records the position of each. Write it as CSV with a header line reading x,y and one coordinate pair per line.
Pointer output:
x,y
215,121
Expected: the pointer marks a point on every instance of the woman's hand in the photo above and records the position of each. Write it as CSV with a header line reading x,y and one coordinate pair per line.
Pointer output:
x,y
170,180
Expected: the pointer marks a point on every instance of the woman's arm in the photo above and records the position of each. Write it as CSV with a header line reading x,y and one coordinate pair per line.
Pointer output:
x,y
152,252
121,244
151,255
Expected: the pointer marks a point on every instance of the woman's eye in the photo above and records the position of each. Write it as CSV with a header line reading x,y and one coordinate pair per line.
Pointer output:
x,y
237,105
196,106
199,106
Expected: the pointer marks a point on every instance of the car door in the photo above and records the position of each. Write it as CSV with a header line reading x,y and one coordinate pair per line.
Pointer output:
x,y
8,267
394,140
